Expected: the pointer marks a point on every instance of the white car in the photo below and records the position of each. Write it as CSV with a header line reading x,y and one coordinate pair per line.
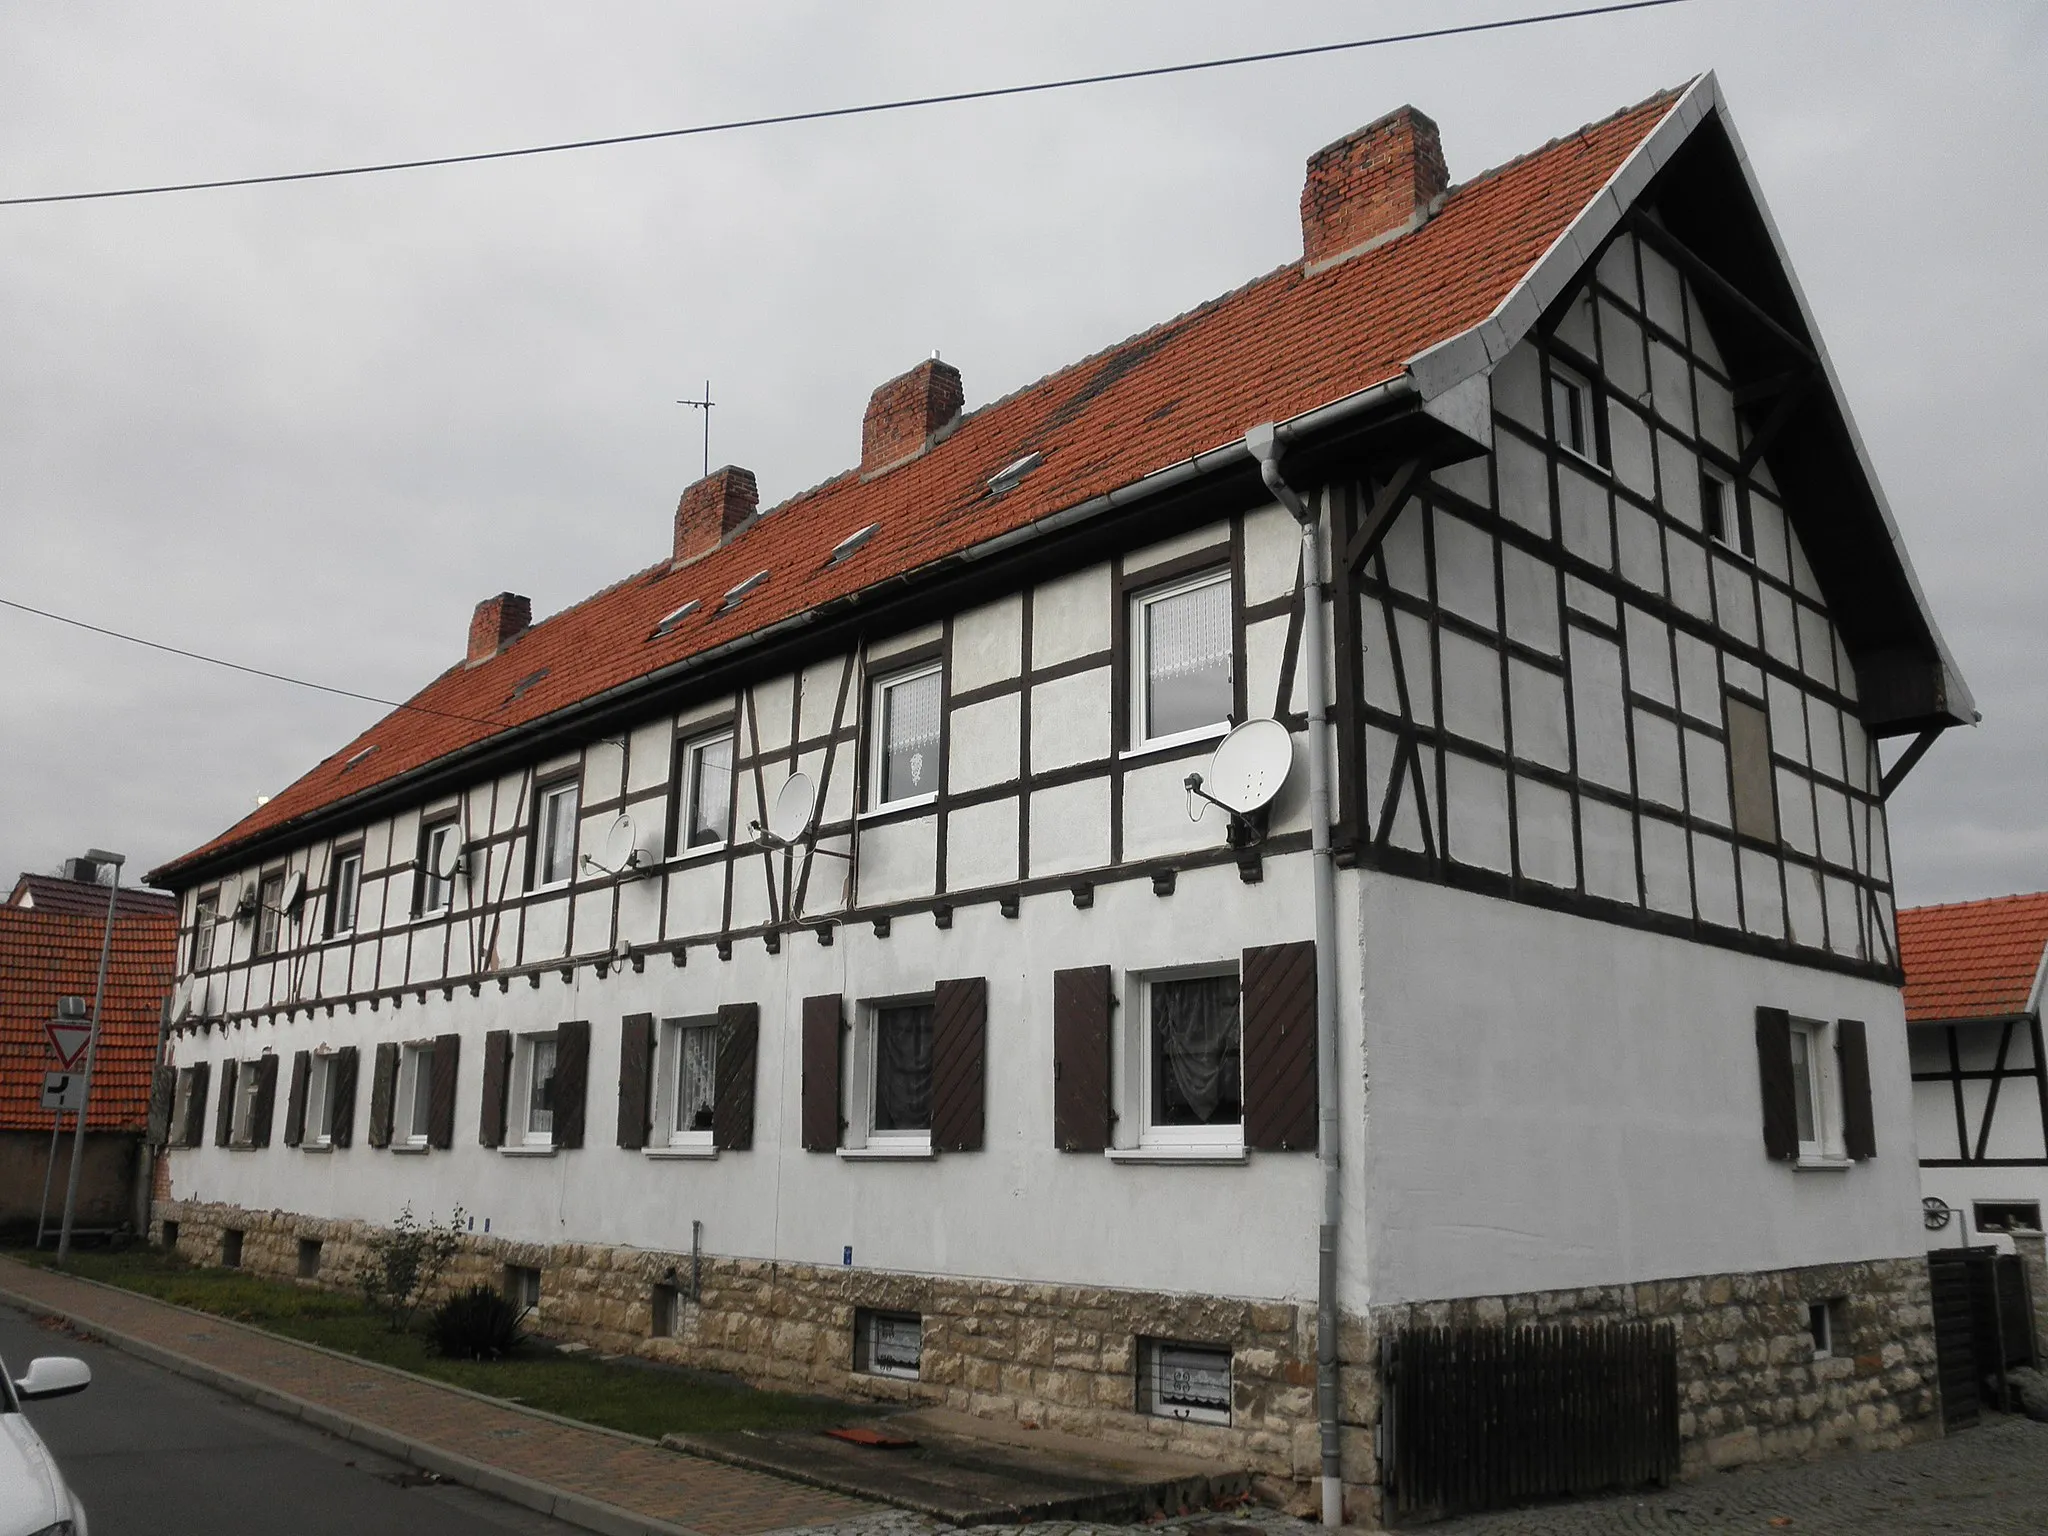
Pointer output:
x,y
34,1499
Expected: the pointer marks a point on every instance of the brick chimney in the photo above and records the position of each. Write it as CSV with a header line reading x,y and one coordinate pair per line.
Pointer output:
x,y
498,621
904,414
714,509
1384,180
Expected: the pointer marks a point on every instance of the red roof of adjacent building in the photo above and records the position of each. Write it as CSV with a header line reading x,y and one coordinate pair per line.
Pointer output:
x,y
48,955
1279,347
81,898
1972,959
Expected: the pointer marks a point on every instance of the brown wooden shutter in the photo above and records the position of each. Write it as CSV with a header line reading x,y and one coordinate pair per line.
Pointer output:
x,y
383,1089
636,1077
193,1131
732,1103
163,1094
342,1070
441,1091
1080,1059
1774,1074
264,1109
572,1081
1278,1018
822,1030
1852,1051
224,1113
959,1064
490,1126
295,1106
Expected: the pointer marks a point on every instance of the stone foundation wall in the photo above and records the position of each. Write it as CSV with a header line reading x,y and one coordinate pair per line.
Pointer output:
x,y
1065,1357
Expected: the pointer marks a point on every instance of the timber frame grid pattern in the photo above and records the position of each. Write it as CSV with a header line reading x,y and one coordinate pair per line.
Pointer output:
x,y
1976,1065
1601,569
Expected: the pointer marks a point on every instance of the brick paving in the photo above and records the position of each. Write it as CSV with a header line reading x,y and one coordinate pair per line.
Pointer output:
x,y
631,1475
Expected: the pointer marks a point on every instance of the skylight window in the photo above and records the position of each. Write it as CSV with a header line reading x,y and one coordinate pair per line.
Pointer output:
x,y
671,622
848,546
733,595
1006,478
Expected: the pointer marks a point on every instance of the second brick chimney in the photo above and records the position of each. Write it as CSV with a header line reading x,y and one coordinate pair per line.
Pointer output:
x,y
714,509
497,622
905,412
1384,180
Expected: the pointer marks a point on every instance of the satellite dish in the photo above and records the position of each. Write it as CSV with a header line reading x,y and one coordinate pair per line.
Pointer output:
x,y
795,804
245,904
181,1002
294,890
448,859
622,852
1250,766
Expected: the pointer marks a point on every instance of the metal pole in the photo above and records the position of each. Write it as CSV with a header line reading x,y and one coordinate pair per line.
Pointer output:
x,y
92,1046
49,1175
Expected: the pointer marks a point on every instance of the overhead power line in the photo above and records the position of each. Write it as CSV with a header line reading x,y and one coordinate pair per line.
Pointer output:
x,y
823,114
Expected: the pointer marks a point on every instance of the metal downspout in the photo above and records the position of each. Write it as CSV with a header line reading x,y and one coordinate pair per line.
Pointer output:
x,y
1263,444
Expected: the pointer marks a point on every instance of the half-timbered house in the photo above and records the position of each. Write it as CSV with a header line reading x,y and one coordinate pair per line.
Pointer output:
x,y
1008,1081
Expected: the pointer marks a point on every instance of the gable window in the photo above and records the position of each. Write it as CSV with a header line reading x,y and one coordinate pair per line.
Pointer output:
x,y
415,1095
533,1090
704,810
1574,416
1752,792
205,914
1191,1061
1722,518
690,1081
1182,687
343,889
555,833
903,765
269,913
437,853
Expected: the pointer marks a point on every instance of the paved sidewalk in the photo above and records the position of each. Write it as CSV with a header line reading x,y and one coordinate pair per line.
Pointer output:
x,y
593,1477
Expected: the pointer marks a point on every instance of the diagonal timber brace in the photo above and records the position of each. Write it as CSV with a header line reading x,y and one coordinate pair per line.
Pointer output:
x,y
1381,517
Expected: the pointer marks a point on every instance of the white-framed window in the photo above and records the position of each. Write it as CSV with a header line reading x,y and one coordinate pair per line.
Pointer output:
x,y
248,1083
1183,1060
1814,1091
344,892
1826,1324
903,748
1574,408
533,1090
414,1110
269,913
888,1343
181,1105
1181,646
554,857
1721,516
1184,1381
687,1092
320,1102
704,794
891,1080
437,847
205,916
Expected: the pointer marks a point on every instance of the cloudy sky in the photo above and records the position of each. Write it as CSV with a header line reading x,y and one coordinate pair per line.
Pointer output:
x,y
307,427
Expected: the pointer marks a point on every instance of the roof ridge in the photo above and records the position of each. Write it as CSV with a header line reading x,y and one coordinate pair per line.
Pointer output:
x,y
1669,93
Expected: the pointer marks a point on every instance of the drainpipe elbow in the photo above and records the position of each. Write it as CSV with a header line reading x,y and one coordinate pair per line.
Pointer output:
x,y
1263,444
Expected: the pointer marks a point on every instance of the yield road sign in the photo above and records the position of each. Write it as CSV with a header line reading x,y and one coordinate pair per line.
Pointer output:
x,y
68,1039
64,1090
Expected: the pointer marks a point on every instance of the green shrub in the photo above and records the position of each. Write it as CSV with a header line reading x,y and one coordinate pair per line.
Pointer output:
x,y
405,1264
476,1324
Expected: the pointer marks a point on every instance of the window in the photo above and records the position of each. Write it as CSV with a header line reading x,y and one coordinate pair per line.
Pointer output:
x,y
342,891
231,1247
904,758
704,790
269,912
1752,794
1191,1061
555,834
248,1084
437,853
309,1258
888,1343
1182,687
320,1084
1825,1326
1720,516
1184,1381
662,1310
901,1084
689,1085
522,1286
2007,1215
205,914
415,1095
170,1237
1809,1086
1573,416
533,1091
181,1106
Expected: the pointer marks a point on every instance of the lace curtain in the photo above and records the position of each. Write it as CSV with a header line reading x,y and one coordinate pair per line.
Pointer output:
x,y
1196,1075
910,732
696,1077
1187,660
711,792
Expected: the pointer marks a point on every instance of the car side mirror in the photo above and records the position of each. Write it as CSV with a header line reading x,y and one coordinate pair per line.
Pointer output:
x,y
52,1376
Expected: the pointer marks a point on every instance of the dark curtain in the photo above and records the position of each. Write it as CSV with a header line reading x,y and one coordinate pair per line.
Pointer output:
x,y
903,1069
1197,1078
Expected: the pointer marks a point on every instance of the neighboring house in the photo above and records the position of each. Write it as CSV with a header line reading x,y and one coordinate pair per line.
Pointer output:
x,y
1974,977
50,934
996,1084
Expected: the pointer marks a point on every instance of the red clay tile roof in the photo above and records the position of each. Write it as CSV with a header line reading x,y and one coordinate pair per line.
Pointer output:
x,y
1282,345
47,955
50,893
1972,959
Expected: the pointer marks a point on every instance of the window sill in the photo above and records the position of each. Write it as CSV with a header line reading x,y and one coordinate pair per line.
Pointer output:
x,y
409,1149
1828,1164
551,886
1217,1155
900,807
681,1154
311,1146
547,1151
1585,461
875,1154
1166,744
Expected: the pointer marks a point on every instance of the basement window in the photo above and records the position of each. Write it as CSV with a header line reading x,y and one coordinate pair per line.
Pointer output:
x,y
888,1343
1826,1326
309,1258
1190,1382
522,1286
672,621
2007,1215
663,1309
849,546
231,1247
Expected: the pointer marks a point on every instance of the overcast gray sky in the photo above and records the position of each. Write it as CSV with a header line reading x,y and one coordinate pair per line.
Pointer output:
x,y
307,427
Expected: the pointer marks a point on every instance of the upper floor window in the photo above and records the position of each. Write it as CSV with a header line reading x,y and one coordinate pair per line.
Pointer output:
x,y
555,833
1574,411
1181,652
904,755
342,890
269,913
438,843
205,916
704,789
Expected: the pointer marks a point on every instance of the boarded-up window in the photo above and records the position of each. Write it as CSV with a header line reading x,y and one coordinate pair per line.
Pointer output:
x,y
1280,1047
497,1077
1852,1052
441,1081
1749,770
295,1106
383,1093
959,1064
1774,1075
636,1078
732,1109
572,1081
822,1027
1080,1059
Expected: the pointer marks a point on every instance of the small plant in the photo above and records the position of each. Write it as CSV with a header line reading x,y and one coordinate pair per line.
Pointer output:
x,y
405,1265
476,1324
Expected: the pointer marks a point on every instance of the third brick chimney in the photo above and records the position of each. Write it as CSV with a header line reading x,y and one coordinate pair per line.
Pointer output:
x,y
1369,186
905,412
714,509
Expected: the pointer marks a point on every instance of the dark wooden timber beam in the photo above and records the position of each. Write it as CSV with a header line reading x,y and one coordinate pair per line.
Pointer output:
x,y
1695,267
1788,401
1384,508
1896,774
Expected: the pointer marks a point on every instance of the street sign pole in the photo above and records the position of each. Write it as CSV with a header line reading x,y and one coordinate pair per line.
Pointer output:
x,y
49,1174
92,1046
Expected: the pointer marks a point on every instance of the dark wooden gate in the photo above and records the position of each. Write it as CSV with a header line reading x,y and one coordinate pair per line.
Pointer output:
x,y
1482,1418
1983,1327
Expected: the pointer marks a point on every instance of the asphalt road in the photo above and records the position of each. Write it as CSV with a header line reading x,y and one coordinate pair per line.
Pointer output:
x,y
150,1452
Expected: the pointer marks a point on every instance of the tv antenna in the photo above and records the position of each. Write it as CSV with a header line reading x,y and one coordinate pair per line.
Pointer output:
x,y
704,405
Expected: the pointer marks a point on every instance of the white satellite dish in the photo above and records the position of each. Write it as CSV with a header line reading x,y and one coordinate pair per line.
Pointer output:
x,y
795,804
181,1002
448,860
622,851
1250,766
294,890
